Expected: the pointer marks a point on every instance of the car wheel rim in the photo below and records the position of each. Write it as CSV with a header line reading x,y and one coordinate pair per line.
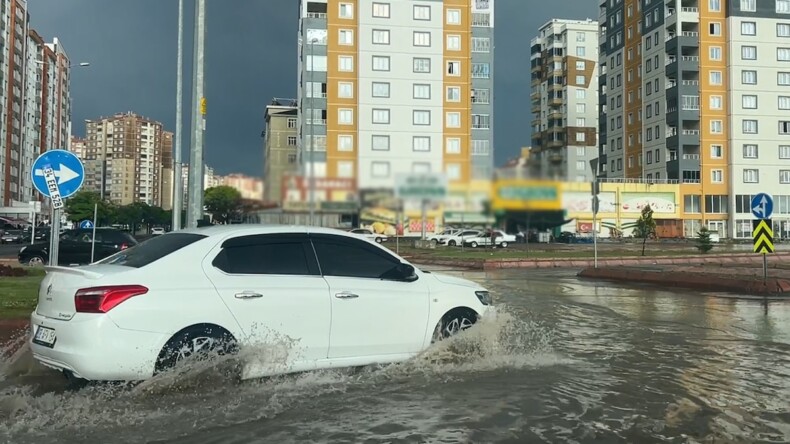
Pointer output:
x,y
456,326
195,346
35,261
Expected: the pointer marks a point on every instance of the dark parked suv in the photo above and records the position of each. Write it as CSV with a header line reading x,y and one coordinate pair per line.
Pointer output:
x,y
75,247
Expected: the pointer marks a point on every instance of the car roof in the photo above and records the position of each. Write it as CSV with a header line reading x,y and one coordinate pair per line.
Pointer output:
x,y
242,229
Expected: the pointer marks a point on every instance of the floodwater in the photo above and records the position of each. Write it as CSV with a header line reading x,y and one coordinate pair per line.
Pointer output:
x,y
568,361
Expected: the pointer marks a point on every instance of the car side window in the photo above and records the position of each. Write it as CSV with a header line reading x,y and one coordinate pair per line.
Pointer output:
x,y
345,257
266,255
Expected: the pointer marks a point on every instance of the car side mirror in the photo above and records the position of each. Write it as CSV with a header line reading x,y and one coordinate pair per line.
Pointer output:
x,y
402,273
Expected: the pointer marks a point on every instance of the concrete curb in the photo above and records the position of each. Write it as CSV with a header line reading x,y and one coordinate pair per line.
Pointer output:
x,y
494,264
691,280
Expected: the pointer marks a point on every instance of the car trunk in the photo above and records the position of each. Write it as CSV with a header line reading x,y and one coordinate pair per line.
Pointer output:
x,y
57,289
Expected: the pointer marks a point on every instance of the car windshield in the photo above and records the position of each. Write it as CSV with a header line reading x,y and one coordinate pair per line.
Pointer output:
x,y
152,250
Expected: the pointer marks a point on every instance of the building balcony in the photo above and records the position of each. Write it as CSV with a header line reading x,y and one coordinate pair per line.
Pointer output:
x,y
555,101
676,116
675,43
688,163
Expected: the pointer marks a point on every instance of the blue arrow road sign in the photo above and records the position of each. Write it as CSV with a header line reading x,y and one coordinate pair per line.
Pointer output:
x,y
57,174
86,224
762,206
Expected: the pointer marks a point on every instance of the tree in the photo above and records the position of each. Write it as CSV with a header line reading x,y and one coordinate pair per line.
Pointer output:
x,y
80,207
645,226
223,203
704,244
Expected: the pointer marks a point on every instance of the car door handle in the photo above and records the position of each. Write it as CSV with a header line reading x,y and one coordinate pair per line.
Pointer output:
x,y
346,295
248,295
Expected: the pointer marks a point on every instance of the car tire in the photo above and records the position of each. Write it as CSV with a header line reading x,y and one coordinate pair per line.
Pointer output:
x,y
473,244
378,240
454,322
451,243
197,342
36,261
503,244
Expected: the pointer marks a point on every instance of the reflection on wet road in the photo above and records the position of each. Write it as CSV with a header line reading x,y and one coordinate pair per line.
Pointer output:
x,y
568,361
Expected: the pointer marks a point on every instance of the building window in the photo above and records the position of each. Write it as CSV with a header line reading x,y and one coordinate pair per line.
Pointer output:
x,y
291,159
345,90
581,122
580,136
345,142
421,117
453,171
715,29
380,169
453,145
381,10
749,101
783,29
345,116
481,44
421,91
422,64
453,94
691,203
480,148
581,51
749,77
380,143
716,127
453,120
749,5
749,52
581,94
421,38
481,121
291,140
783,79
346,37
581,80
481,70
316,63
345,169
784,176
715,52
453,42
381,37
784,151
715,77
481,96
421,143
750,151
381,63
380,89
716,151
345,63
749,127
783,6
346,10
717,176
453,16
291,122
381,116
453,68
751,176
714,5
422,12
784,127
783,54
748,28
581,108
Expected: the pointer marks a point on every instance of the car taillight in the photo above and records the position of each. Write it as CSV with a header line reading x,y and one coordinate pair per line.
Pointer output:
x,y
104,299
124,246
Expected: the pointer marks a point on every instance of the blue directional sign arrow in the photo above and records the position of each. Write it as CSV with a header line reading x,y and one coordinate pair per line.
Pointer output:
x,y
86,224
57,174
762,206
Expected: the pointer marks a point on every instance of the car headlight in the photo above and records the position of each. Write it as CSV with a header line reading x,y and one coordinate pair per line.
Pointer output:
x,y
484,296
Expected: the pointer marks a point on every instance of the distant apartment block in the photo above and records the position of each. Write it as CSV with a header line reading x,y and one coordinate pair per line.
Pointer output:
x,y
128,159
698,92
280,140
34,99
564,99
210,180
392,87
249,187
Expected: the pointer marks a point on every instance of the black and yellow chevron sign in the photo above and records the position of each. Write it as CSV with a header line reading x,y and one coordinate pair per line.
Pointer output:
x,y
763,235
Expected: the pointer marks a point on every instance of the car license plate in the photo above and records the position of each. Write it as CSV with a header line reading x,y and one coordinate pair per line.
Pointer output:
x,y
45,336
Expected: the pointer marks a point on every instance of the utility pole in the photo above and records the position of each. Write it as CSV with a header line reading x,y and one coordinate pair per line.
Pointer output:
x,y
312,135
178,187
195,195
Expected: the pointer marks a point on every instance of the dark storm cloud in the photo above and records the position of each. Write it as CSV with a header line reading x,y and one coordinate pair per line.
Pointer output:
x,y
250,58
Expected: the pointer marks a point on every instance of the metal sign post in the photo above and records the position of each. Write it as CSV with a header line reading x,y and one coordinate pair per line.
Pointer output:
x,y
595,205
762,231
424,188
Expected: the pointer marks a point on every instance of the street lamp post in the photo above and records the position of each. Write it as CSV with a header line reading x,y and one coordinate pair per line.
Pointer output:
x,y
178,187
311,185
196,165
595,205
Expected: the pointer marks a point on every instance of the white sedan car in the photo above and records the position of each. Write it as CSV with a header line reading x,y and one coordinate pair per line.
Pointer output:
x,y
369,234
339,300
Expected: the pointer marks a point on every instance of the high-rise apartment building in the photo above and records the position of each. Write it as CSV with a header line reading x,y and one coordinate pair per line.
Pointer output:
x,y
125,160
693,91
34,100
249,187
564,99
390,87
279,146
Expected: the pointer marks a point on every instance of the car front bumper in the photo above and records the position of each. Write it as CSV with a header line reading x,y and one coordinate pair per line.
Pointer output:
x,y
93,347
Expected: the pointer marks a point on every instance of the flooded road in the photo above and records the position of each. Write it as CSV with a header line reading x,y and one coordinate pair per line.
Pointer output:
x,y
568,361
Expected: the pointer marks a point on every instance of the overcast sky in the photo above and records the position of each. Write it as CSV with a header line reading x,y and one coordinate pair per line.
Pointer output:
x,y
250,58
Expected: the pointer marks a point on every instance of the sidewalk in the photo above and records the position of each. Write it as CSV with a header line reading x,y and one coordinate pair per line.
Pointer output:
x,y
744,277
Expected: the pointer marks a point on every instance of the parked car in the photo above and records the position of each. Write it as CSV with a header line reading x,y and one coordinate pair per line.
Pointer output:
x,y
458,238
369,234
344,301
485,239
441,238
157,231
75,247
14,237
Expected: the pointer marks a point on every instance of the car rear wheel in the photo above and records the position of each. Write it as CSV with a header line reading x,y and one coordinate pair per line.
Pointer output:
x,y
199,342
451,243
35,261
453,323
473,244
503,244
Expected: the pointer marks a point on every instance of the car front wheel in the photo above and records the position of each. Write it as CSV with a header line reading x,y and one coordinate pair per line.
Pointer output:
x,y
473,244
378,240
35,261
503,244
451,243
453,323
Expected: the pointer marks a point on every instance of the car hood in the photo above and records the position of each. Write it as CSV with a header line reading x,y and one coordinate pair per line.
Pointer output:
x,y
452,280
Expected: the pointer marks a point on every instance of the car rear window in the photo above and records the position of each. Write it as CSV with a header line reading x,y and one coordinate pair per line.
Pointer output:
x,y
152,250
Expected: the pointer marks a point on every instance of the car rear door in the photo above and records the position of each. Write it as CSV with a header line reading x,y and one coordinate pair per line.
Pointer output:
x,y
272,286
370,315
